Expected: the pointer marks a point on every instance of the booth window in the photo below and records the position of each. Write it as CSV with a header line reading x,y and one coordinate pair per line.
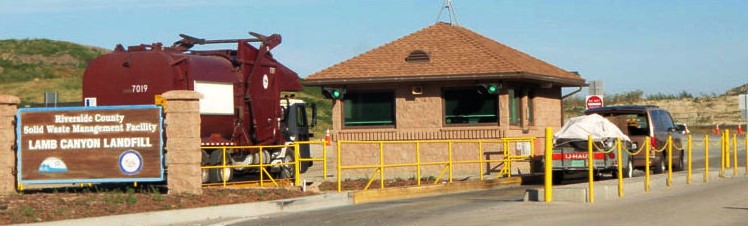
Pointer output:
x,y
467,106
369,108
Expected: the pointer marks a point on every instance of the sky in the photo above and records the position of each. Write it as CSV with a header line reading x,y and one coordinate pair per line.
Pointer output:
x,y
663,46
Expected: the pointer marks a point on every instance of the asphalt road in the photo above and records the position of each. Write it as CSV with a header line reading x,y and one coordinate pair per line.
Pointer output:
x,y
714,151
720,202
400,212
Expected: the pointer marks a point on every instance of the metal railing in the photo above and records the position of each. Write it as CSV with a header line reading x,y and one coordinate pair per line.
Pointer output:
x,y
262,168
726,160
448,164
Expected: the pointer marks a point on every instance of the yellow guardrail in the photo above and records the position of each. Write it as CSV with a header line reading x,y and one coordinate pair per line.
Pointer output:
x,y
323,159
379,168
726,159
264,174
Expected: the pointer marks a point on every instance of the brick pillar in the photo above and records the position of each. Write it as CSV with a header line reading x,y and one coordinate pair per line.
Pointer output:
x,y
183,154
8,107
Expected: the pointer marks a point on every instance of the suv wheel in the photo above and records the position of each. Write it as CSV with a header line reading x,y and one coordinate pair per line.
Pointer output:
x,y
679,164
628,169
661,165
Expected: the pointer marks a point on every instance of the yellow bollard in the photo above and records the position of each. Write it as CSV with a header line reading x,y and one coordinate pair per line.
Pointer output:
x,y
690,147
590,164
669,161
647,147
706,158
727,149
735,155
548,164
620,168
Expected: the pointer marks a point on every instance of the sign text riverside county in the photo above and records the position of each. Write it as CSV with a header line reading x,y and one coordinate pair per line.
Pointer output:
x,y
90,144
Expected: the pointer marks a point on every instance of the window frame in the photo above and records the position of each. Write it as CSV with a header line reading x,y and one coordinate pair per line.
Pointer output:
x,y
368,92
515,115
468,88
530,107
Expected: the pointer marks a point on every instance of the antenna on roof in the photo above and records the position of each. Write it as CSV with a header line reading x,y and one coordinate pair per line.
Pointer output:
x,y
451,10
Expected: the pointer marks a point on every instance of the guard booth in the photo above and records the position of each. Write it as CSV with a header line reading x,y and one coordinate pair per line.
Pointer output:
x,y
443,82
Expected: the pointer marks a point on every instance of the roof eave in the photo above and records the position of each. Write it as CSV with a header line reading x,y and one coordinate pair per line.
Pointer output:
x,y
563,82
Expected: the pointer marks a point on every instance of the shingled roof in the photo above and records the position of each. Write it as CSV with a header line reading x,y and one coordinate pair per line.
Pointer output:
x,y
442,52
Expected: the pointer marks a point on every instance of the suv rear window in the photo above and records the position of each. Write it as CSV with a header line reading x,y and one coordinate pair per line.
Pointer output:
x,y
638,124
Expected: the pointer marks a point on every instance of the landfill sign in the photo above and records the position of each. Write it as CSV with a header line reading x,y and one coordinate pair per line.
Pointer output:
x,y
90,144
594,101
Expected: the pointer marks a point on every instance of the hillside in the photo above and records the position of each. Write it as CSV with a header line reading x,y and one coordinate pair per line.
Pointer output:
x,y
28,68
704,111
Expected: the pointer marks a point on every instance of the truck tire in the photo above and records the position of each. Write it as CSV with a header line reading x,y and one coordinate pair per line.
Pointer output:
x,y
558,177
661,165
287,171
217,175
205,174
597,175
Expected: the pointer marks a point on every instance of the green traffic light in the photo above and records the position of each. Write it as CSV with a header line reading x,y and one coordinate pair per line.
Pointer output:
x,y
491,89
335,94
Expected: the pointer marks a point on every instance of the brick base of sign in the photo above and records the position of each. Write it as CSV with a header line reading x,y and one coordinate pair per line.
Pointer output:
x,y
8,107
183,143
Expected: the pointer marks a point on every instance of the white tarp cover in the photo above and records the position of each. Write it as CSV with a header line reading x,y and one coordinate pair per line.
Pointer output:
x,y
594,124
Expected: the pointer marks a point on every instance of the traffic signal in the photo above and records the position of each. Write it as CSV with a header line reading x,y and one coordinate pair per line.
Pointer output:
x,y
333,93
488,88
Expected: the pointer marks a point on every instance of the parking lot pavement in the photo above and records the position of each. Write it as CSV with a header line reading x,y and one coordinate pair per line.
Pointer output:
x,y
576,192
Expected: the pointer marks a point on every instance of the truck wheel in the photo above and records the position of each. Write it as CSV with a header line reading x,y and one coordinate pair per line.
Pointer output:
x,y
205,174
287,171
558,177
217,175
597,175
661,165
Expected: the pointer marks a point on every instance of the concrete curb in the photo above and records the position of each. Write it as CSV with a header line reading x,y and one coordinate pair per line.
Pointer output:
x,y
608,189
360,197
238,212
216,213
